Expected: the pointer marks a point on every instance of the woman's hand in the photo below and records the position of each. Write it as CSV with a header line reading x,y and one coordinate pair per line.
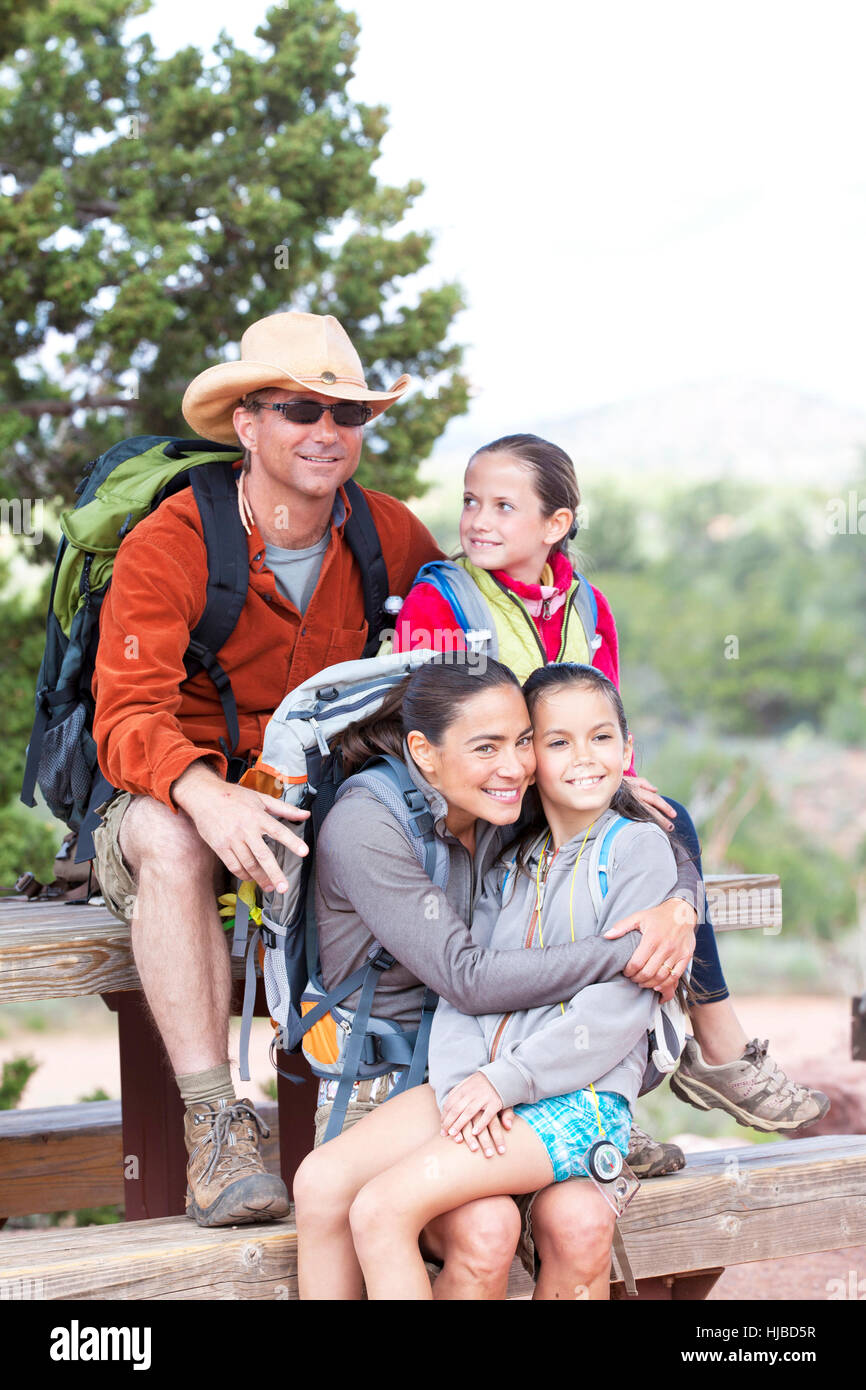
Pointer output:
x,y
667,944
650,796
470,1112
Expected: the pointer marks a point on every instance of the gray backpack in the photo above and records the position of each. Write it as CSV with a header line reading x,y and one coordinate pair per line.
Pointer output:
x,y
337,1042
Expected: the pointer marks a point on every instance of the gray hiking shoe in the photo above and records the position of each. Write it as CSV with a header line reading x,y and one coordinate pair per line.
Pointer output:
x,y
753,1089
647,1158
228,1184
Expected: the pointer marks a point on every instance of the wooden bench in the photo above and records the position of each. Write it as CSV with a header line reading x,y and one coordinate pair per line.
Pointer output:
x,y
727,1207
65,1157
54,950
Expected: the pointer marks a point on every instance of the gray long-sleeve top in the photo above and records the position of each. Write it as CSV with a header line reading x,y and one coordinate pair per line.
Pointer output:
x,y
597,1034
370,887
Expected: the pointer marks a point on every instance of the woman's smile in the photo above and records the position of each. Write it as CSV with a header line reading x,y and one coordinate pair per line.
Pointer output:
x,y
507,794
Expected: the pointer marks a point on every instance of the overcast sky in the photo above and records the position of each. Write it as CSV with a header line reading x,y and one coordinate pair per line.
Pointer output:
x,y
635,193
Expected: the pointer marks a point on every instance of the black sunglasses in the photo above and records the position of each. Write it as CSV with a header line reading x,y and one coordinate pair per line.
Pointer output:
x,y
347,413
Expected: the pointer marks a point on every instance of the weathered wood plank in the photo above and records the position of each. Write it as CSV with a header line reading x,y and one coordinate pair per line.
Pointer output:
x,y
65,1157
724,1208
738,901
170,1258
54,951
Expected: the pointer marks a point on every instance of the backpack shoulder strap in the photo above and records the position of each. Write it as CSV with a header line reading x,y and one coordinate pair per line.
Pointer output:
x,y
599,861
363,541
388,779
215,492
464,598
587,610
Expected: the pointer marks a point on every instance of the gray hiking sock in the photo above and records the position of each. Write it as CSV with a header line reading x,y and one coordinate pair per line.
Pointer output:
x,y
206,1087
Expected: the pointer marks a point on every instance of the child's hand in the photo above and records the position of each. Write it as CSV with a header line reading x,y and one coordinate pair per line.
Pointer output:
x,y
470,1113
651,797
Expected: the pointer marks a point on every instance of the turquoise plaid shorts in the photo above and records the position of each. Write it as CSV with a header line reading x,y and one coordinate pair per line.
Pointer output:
x,y
567,1125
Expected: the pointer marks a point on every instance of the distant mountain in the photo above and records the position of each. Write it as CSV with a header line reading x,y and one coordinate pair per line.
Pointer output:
x,y
735,429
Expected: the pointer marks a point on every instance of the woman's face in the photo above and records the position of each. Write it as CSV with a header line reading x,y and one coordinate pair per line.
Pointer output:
x,y
485,761
580,756
501,525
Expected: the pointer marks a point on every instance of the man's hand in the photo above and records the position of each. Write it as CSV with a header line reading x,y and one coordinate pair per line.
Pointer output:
x,y
667,944
470,1113
234,821
650,796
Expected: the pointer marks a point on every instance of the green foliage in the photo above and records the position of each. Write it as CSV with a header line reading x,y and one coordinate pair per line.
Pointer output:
x,y
16,1073
732,607
97,1094
744,829
22,623
741,618
26,842
160,206
98,1216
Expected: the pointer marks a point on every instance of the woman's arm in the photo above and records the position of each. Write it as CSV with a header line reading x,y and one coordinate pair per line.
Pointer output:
x,y
366,865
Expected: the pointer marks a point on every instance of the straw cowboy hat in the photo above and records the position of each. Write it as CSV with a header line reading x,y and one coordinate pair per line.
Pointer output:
x,y
298,352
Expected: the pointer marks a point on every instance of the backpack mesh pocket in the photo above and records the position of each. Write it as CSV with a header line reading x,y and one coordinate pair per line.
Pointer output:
x,y
65,774
277,990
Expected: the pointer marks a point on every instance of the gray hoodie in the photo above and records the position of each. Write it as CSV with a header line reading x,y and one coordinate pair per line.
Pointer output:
x,y
598,1033
370,887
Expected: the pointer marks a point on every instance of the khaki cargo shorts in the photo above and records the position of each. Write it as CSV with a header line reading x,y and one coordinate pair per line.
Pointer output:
x,y
362,1103
115,878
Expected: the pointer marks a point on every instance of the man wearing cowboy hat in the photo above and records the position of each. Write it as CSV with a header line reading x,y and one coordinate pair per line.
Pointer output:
x,y
296,402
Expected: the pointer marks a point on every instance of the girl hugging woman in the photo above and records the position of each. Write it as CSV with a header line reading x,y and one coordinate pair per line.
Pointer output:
x,y
571,1069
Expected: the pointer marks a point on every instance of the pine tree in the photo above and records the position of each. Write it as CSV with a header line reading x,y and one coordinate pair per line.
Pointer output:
x,y
156,207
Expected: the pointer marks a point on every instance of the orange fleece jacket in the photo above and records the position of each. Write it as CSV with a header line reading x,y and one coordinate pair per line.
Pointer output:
x,y
152,722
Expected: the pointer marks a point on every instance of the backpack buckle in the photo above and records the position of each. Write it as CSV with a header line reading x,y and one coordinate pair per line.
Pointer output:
x,y
422,820
379,958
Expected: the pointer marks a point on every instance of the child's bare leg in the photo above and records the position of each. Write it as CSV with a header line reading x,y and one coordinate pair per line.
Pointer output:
x,y
392,1209
572,1227
476,1244
330,1178
719,1032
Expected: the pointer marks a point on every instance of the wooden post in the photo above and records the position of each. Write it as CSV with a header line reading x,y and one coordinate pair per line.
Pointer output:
x,y
154,1153
297,1106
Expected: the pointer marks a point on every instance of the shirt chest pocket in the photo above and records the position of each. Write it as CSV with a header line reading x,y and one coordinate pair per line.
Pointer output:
x,y
345,644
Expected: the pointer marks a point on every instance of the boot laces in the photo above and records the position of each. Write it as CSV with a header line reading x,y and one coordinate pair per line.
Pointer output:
x,y
778,1083
220,1135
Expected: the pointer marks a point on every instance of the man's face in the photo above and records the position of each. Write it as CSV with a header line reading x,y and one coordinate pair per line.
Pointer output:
x,y
312,460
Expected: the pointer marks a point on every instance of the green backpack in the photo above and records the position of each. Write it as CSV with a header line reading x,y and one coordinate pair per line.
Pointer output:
x,y
123,485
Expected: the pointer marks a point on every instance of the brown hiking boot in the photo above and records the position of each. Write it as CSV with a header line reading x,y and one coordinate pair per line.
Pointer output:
x,y
228,1184
647,1158
753,1089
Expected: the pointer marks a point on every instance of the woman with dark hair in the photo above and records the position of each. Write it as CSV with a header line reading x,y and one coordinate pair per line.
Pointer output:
x,y
464,733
